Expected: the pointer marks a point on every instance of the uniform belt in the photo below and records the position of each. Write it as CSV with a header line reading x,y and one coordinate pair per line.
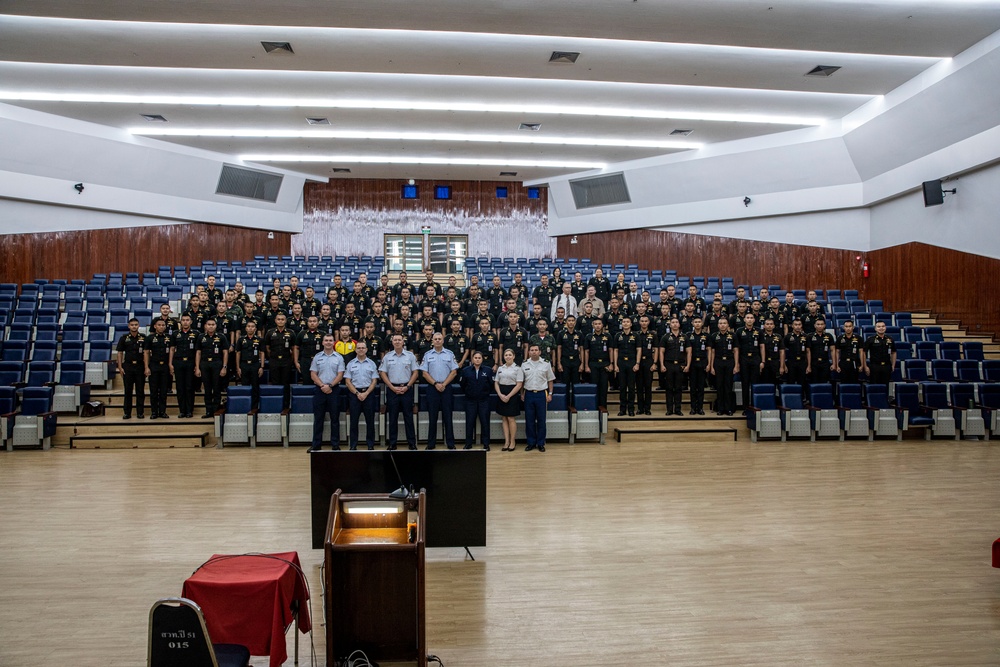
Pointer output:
x,y
362,389
536,391
401,384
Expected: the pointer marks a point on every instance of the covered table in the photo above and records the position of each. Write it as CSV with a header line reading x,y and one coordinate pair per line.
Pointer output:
x,y
250,599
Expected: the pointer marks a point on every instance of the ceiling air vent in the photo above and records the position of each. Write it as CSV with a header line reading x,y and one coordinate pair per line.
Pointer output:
x,y
248,183
278,48
530,127
341,170
600,191
318,121
681,133
823,70
154,117
564,57
508,173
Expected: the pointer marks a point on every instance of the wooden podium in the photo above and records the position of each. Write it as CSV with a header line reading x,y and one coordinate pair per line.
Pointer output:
x,y
374,581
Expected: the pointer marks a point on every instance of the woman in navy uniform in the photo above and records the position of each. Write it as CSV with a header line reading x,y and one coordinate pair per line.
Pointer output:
x,y
477,381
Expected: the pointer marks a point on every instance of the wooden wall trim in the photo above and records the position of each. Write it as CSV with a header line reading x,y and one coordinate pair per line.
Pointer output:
x,y
81,254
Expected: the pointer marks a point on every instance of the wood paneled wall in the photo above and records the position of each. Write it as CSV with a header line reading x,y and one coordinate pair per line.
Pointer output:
x,y
953,285
750,262
914,276
81,254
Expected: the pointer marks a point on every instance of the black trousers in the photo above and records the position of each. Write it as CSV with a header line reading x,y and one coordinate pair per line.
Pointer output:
x,y
159,385
326,404
725,397
135,385
477,408
599,376
570,375
771,373
626,386
675,385
644,387
848,372
698,376
820,373
440,402
367,408
749,376
249,378
397,404
211,380
184,378
881,373
282,374
796,372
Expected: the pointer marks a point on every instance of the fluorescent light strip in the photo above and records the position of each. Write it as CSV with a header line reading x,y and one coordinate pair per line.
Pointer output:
x,y
406,105
411,136
374,159
399,34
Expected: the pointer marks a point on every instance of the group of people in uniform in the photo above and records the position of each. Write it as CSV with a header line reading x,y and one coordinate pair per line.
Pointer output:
x,y
509,340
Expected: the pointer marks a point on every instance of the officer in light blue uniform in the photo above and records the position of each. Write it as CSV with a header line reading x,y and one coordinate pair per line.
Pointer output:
x,y
361,378
399,372
439,368
327,372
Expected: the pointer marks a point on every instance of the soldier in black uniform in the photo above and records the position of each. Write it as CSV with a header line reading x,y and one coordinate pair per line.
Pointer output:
x,y
649,342
486,342
697,362
514,338
496,295
723,360
211,358
797,353
789,311
213,292
157,362
585,320
597,360
296,323
278,343
308,343
272,312
182,357
774,312
543,295
773,352
373,341
750,362
170,324
850,354
537,314
626,356
711,321
327,324
568,354
457,342
310,305
454,313
427,317
250,361
380,321
880,353
686,317
296,294
424,343
601,285
132,366
700,307
822,353
674,362
810,317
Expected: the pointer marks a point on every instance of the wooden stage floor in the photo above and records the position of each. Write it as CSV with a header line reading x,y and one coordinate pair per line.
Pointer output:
x,y
643,553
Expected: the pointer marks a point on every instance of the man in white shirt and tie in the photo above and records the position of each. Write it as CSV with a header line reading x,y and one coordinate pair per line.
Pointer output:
x,y
565,301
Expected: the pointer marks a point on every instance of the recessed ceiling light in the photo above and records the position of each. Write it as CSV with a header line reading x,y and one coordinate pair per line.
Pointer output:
x,y
341,170
154,117
823,70
318,121
568,57
531,127
278,48
508,173
681,133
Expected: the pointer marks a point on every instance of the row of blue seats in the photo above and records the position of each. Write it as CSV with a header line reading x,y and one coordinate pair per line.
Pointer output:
x,y
27,417
945,370
951,410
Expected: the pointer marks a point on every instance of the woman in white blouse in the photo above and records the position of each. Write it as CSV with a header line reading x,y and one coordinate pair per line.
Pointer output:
x,y
508,381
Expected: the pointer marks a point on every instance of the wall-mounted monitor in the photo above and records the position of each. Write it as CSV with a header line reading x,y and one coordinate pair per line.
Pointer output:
x,y
410,192
442,192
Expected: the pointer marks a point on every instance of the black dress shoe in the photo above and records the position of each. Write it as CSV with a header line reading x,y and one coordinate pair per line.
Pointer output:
x,y
648,413
164,415
153,416
207,415
678,412
429,447
315,448
528,448
486,448
451,446
412,448
621,413
126,416
371,448
541,448
353,448
140,416
467,447
336,448
390,448
631,413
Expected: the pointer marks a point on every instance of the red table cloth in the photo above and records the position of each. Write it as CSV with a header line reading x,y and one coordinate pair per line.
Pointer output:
x,y
996,553
247,599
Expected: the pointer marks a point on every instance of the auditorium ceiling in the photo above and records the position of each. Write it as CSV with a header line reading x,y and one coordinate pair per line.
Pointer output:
x,y
465,89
